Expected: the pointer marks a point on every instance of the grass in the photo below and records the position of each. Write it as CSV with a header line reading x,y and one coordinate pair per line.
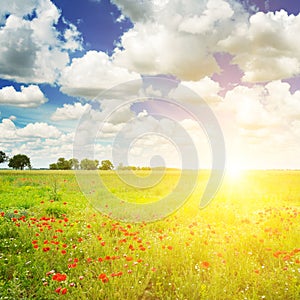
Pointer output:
x,y
244,245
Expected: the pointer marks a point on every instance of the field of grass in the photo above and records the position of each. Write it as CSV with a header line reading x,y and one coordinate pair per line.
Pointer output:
x,y
244,245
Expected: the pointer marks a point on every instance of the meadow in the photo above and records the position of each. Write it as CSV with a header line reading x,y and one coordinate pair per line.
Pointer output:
x,y
244,245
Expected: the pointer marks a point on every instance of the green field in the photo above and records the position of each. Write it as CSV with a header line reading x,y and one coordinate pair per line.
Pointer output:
x,y
244,245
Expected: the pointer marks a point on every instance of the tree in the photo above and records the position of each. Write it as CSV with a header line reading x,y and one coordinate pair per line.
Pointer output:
x,y
19,162
53,166
3,157
74,163
63,164
88,164
106,165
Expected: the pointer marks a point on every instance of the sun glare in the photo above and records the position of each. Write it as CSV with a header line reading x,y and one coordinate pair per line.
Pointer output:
x,y
234,172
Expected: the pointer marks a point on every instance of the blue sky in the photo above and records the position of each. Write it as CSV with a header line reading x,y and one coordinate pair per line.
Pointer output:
x,y
241,57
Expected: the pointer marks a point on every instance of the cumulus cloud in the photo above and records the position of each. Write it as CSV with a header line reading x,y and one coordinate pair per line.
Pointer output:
x,y
190,91
41,130
172,37
261,106
30,47
260,125
72,37
30,96
9,131
70,112
95,73
266,48
215,12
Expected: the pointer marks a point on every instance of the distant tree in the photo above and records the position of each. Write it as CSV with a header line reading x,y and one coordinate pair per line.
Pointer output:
x,y
74,163
146,168
88,164
19,162
53,166
63,164
106,165
3,157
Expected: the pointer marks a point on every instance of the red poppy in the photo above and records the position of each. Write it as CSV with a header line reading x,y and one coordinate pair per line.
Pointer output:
x,y
103,278
205,264
129,258
59,277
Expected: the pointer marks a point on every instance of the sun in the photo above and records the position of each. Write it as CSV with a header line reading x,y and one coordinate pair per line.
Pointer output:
x,y
233,172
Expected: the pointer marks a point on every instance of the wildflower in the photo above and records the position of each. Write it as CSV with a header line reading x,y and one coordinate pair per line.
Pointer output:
x,y
205,264
59,277
103,278
72,266
116,274
50,272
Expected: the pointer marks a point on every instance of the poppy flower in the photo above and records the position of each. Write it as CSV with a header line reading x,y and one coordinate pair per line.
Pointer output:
x,y
205,264
103,278
59,277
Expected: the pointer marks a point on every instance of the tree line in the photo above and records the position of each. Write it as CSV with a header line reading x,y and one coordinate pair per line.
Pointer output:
x,y
20,161
84,164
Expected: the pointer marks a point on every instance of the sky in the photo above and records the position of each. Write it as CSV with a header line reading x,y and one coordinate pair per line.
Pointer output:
x,y
166,80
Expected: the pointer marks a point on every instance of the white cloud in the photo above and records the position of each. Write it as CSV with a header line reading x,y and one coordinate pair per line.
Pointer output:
x,y
16,7
70,112
261,106
41,130
94,73
260,125
7,129
73,39
120,19
30,96
176,37
10,133
215,12
30,48
266,49
191,91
